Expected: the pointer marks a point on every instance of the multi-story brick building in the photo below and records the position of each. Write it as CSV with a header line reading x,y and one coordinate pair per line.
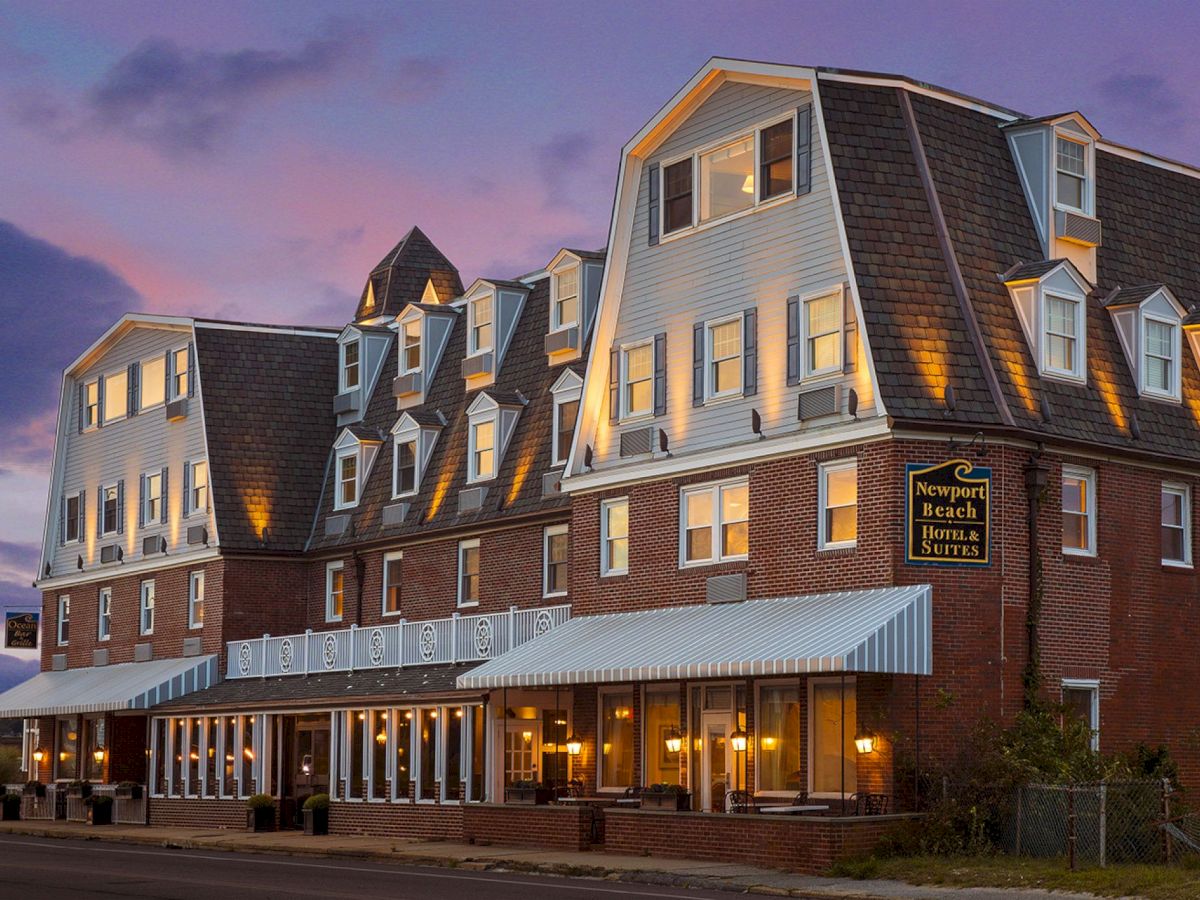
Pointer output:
x,y
877,416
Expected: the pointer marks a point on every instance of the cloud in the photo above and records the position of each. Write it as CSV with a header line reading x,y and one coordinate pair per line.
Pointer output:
x,y
1145,95
17,565
561,159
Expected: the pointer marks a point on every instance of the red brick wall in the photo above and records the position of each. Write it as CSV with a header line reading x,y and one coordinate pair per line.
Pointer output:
x,y
196,813
551,827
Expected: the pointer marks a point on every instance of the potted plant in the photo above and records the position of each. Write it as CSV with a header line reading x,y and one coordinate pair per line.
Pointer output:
x,y
11,807
316,814
35,789
102,809
79,789
666,796
260,813
129,790
529,793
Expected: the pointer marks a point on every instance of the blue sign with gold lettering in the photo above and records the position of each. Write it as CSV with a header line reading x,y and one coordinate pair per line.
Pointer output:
x,y
21,630
948,513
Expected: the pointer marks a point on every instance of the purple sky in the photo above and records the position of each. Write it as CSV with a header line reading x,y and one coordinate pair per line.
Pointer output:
x,y
256,160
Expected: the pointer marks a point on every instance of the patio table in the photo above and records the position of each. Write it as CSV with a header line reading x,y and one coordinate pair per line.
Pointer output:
x,y
589,801
793,810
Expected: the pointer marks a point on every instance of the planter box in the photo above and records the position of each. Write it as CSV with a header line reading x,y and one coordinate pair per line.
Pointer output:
x,y
529,796
10,812
316,821
260,819
672,802
102,813
35,790
79,791
130,793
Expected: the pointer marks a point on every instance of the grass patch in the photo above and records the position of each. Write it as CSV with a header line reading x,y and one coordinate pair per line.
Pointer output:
x,y
1155,882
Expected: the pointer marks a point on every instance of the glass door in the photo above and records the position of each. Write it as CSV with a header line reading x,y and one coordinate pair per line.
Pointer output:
x,y
714,763
522,743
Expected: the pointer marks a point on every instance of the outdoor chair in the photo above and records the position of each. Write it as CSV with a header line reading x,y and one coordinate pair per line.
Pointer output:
x,y
739,802
575,788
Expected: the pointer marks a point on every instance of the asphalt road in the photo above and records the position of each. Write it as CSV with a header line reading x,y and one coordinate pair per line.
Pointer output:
x,y
41,869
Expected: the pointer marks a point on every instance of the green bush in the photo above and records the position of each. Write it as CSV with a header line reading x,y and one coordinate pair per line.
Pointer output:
x,y
101,800
10,765
317,801
261,801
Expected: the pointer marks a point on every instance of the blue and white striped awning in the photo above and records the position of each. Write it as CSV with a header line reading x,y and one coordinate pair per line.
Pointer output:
x,y
95,689
879,630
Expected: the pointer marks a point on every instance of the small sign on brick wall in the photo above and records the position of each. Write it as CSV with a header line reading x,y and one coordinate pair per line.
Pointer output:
x,y
947,514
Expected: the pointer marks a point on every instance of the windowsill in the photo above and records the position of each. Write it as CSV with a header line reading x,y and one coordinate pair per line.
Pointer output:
x,y
1177,566
699,227
566,326
474,481
469,604
842,545
407,496
702,563
638,419
105,639
345,508
1063,207
556,596
158,405
616,573
1161,398
822,376
1079,554
394,614
196,627
336,621
1064,377
718,399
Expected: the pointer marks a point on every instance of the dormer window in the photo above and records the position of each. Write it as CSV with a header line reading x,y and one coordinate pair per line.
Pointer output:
x,y
479,325
1063,327
1149,323
565,308
413,440
566,392
355,452
483,450
1160,357
493,418
350,366
1051,302
347,480
410,347
406,469
1070,167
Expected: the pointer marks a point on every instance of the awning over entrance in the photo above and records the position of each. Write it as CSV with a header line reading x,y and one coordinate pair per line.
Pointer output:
x,y
880,630
108,688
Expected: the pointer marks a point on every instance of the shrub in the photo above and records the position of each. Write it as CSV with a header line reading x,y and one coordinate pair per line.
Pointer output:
x,y
10,765
671,790
317,801
261,801
102,800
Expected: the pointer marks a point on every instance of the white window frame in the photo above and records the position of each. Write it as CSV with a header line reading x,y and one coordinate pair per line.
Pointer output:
x,y
601,692
839,298
419,322
123,393
343,382
106,527
469,544
195,594
339,501
143,381
393,556
474,349
193,507
1172,391
104,614
627,414
823,472
557,324
1184,492
64,618
179,376
850,682
146,603
1093,686
731,138
1078,374
715,490
330,568
548,532
473,474
1088,168
1088,476
759,684
406,437
605,506
98,414
147,519
562,398
710,393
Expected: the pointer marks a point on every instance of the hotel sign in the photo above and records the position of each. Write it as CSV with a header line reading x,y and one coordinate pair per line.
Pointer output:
x,y
947,516
21,630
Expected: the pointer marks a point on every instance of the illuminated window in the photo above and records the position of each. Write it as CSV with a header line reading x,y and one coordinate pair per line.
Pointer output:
x,y
347,480
402,724
392,571
616,738
116,396
1176,525
727,179
66,749
178,365
406,468
614,536
715,522
72,526
1070,166
723,349
637,380
555,556
1064,324
479,325
152,498
838,501
91,404
427,743
350,367
64,620
468,572
661,721
410,347
1079,511
832,723
110,508
152,382
146,616
198,490
104,614
822,335
335,591
483,450
565,414
777,723
566,298
1160,360
196,599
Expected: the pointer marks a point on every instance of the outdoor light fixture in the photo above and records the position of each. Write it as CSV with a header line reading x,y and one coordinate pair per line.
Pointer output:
x,y
98,755
674,740
306,764
458,714
433,714
865,742
408,714
738,740
39,755
574,744
381,738
527,737
194,756
362,716
248,753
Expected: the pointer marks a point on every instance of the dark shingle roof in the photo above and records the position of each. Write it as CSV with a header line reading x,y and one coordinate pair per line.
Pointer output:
x,y
267,397
365,432
1030,270
401,276
1130,296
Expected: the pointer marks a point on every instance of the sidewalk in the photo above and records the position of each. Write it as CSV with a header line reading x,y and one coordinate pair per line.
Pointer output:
x,y
611,866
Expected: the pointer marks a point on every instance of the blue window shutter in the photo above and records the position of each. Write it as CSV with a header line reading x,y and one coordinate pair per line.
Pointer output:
x,y
614,385
804,149
750,352
131,385
121,506
170,375
141,500
62,521
82,514
191,355
162,509
100,511
660,373
187,488
652,209
698,364
850,347
82,406
100,401
793,340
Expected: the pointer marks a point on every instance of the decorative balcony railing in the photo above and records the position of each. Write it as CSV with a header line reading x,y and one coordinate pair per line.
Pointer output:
x,y
402,643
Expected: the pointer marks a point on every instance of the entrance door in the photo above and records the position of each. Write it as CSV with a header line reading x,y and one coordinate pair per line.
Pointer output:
x,y
715,757
308,766
522,746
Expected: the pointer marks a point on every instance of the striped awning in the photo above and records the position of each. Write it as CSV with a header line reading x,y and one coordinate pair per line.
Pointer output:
x,y
124,686
879,630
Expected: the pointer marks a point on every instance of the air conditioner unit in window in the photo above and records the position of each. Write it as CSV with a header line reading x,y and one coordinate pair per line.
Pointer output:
x,y
1077,228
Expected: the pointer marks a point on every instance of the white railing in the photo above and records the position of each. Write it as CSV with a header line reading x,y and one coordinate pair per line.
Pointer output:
x,y
422,643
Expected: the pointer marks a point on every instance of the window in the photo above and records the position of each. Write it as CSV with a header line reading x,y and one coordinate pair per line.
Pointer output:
x,y
196,600
93,740
410,347
637,382
727,179
480,331
72,524
775,168
833,718
152,497
392,569
116,396
402,719
64,620
347,485
350,367
1079,511
614,536
1081,701
616,738
1159,361
152,382
110,509
66,744
406,468
146,619
777,722
356,727
565,414
179,373
483,450
199,489
1070,166
427,755
555,546
104,614
468,572
91,404
1176,525
838,502
1062,330
677,196
715,522
379,755
724,346
566,299
823,335
335,591
661,719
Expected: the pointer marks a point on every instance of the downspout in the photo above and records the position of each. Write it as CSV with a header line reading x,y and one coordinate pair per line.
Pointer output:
x,y
1037,476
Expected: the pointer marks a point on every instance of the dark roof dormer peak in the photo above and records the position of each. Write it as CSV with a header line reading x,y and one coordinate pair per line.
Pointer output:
x,y
411,272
